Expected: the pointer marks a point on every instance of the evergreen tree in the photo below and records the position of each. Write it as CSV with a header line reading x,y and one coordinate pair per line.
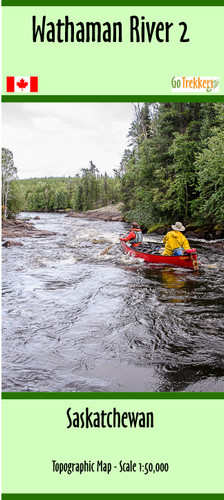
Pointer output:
x,y
159,174
209,206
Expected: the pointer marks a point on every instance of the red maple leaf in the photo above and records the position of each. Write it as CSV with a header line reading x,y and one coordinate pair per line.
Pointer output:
x,y
22,84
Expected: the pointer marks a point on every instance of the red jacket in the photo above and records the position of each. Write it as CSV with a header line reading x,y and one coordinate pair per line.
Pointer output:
x,y
132,236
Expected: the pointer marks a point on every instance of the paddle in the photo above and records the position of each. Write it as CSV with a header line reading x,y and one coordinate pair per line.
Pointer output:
x,y
210,266
108,248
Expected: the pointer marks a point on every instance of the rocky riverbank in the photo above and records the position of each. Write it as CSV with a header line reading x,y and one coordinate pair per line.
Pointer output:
x,y
108,213
17,228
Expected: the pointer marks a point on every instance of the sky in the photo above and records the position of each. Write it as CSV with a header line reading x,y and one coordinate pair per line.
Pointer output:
x,y
58,139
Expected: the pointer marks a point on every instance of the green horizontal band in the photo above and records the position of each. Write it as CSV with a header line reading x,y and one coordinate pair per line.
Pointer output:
x,y
112,3
111,496
112,98
113,395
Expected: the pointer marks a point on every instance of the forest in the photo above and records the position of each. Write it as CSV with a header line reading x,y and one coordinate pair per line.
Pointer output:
x,y
172,169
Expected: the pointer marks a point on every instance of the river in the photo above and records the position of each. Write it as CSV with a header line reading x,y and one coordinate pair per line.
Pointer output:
x,y
74,320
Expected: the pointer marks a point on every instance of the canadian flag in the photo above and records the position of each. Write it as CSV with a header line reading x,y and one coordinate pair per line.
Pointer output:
x,y
22,84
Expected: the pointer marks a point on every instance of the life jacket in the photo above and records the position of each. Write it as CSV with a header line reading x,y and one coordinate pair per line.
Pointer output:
x,y
138,236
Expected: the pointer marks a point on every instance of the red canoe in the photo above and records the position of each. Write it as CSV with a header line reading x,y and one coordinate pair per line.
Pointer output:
x,y
188,261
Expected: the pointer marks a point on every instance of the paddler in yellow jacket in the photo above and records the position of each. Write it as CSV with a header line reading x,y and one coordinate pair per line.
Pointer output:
x,y
175,241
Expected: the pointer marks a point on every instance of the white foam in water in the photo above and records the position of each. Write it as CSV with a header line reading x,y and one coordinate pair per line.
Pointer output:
x,y
128,259
69,260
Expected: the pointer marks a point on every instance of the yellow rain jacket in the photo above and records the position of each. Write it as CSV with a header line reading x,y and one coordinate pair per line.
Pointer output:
x,y
174,239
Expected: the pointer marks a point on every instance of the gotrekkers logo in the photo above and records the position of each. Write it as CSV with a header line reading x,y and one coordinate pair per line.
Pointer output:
x,y
195,84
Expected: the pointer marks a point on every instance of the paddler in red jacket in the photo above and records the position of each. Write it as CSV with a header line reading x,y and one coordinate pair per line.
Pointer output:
x,y
135,236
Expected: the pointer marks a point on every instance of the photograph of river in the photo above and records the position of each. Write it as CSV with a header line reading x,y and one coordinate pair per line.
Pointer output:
x,y
77,320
